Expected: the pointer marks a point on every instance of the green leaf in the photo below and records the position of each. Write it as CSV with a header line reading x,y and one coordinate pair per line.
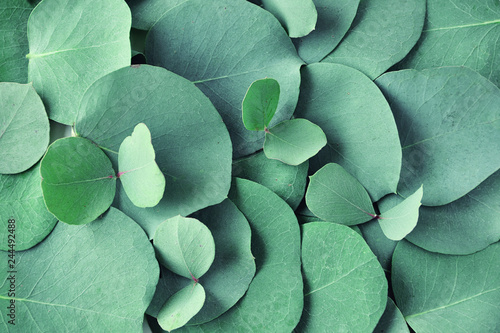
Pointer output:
x,y
459,33
192,146
139,174
185,246
287,181
340,274
181,307
145,13
78,181
72,44
24,127
298,17
381,246
400,220
13,19
392,320
260,104
383,33
213,44
294,141
334,19
22,201
79,280
443,293
448,123
335,196
358,123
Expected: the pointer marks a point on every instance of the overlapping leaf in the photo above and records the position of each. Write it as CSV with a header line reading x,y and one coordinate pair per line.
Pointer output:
x,y
392,320
298,17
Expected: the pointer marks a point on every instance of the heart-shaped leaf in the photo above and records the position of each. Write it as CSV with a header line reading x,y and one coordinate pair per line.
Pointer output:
x,y
260,104
78,181
298,17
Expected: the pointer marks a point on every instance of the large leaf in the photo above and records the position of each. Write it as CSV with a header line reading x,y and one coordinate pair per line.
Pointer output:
x,y
345,288
78,181
392,320
443,293
214,44
22,201
13,19
448,122
358,123
459,33
192,146
260,104
81,280
298,17
24,127
69,51
383,33
145,13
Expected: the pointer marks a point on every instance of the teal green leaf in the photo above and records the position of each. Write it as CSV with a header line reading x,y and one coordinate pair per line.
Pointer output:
x,y
181,307
68,49
448,123
340,274
22,200
24,127
358,123
79,279
192,145
334,19
287,181
294,141
392,320
464,226
185,246
382,34
260,104
145,13
214,44
381,246
78,181
298,17
336,196
139,174
459,33
13,20
444,293
400,220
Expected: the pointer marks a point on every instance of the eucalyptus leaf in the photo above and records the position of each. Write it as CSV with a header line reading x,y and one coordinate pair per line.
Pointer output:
x,y
213,44
298,17
443,293
335,196
260,104
340,274
294,141
78,279
358,123
78,181
392,320
448,120
381,246
24,127
72,44
139,174
383,33
145,13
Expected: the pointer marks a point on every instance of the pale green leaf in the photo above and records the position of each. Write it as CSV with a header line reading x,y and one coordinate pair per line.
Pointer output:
x,y
298,17
260,104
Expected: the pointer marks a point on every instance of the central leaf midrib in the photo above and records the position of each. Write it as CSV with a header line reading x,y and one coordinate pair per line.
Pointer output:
x,y
79,181
465,26
41,55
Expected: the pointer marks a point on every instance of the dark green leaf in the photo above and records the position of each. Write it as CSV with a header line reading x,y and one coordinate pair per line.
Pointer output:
x,y
380,245
392,320
260,104
145,13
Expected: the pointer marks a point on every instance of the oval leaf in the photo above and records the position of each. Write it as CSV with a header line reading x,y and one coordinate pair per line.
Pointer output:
x,y
260,104
185,246
139,174
24,127
335,196
78,180
298,17
294,141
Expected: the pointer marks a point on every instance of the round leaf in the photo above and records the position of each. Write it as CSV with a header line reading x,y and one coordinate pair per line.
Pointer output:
x,y
69,49
392,320
448,123
24,127
260,104
335,196
298,17
340,274
78,180
185,246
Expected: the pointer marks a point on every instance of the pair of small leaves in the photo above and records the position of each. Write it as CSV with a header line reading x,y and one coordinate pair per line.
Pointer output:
x,y
292,141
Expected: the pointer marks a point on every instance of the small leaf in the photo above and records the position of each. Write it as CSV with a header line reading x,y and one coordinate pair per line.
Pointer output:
x,y
185,246
400,220
298,17
294,141
260,104
381,246
181,307
78,180
335,196
141,177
